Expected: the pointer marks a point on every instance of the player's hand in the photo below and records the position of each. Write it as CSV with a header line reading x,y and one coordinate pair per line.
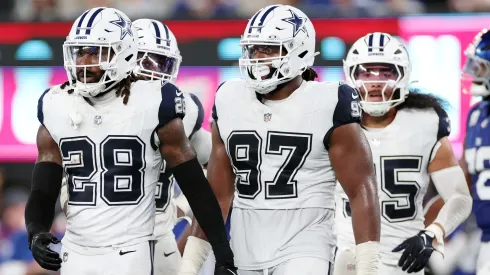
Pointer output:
x,y
418,250
225,269
44,256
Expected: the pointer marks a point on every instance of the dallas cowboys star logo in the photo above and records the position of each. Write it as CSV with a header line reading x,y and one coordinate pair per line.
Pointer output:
x,y
124,25
297,22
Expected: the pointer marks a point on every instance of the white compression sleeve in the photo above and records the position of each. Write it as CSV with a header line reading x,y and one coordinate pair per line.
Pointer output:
x,y
451,185
201,141
367,258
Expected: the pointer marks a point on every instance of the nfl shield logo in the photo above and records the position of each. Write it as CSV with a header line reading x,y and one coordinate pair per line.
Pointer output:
x,y
65,257
267,117
97,119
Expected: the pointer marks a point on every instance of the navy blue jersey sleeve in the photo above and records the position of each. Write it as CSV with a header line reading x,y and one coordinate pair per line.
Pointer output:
x,y
172,105
215,113
40,114
444,124
200,115
347,110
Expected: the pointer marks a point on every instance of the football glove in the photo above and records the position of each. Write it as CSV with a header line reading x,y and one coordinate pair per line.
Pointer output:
x,y
44,256
417,251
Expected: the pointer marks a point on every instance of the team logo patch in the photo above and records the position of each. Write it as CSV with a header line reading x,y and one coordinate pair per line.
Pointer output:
x,y
267,117
65,257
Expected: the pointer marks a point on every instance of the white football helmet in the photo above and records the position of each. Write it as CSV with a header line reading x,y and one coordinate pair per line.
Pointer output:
x,y
158,53
105,33
379,48
278,25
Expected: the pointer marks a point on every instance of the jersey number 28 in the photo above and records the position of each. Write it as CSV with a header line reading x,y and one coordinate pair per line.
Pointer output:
x,y
122,161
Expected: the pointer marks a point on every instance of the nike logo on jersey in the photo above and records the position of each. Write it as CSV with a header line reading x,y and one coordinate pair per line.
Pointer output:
x,y
354,96
178,94
126,252
166,255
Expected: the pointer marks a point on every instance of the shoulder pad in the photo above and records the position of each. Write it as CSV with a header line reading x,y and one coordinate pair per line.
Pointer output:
x,y
40,114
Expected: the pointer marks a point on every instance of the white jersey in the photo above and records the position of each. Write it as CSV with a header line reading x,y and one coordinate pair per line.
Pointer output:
x,y
401,152
278,150
111,160
166,209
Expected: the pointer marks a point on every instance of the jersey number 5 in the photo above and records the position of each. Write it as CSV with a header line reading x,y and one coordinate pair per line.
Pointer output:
x,y
122,160
246,155
403,205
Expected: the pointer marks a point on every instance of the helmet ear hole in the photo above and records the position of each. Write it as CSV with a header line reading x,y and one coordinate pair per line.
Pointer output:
x,y
301,55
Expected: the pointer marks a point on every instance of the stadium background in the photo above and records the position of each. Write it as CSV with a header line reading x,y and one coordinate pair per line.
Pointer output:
x,y
31,60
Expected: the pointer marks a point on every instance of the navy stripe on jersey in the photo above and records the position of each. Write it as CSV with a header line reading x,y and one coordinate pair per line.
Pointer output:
x,y
215,113
444,129
200,115
167,36
157,32
152,255
253,20
81,21
167,111
40,114
91,20
370,43
347,110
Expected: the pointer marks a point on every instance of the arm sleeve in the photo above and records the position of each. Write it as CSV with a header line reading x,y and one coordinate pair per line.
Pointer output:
x,y
346,111
172,105
200,115
40,113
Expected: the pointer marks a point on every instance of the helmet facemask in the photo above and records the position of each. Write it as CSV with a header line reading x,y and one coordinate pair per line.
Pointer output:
x,y
81,58
264,74
378,86
152,65
476,76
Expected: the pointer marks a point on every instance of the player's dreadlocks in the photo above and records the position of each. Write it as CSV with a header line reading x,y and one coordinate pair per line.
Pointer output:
x,y
122,88
309,74
418,100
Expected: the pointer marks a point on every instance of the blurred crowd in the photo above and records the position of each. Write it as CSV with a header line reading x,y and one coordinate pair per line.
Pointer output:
x,y
67,10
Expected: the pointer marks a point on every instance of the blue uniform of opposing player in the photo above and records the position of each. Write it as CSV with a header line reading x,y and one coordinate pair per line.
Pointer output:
x,y
476,158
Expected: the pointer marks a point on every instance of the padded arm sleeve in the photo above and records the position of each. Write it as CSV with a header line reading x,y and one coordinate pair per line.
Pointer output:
x,y
201,142
451,185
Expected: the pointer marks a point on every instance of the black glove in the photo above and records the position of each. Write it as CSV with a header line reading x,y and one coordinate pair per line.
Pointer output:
x,y
44,256
417,251
224,260
226,269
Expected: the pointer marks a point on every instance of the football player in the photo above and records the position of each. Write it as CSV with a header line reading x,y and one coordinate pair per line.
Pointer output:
x,y
107,134
476,156
284,138
408,134
159,59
